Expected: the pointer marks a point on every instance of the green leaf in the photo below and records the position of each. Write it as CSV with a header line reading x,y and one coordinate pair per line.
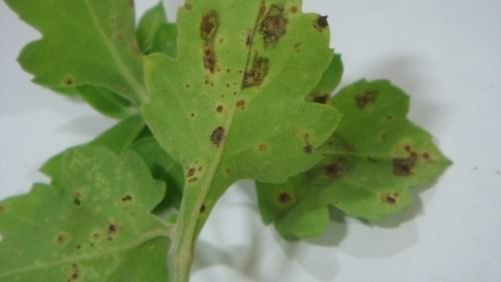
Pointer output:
x,y
93,227
148,26
237,102
117,139
84,42
372,160
165,40
106,102
164,168
329,82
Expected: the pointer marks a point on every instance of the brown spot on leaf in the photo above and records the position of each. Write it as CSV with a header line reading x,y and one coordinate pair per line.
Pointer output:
x,y
209,26
404,167
284,198
220,109
96,236
390,198
126,198
366,98
321,23
60,239
262,147
308,149
203,208
68,81
209,59
194,179
187,6
112,229
191,172
256,75
227,171
217,135
74,273
426,156
335,169
320,98
273,26
240,104
294,9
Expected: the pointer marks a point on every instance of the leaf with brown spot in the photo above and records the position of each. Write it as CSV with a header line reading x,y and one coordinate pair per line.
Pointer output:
x,y
63,239
364,175
266,84
99,47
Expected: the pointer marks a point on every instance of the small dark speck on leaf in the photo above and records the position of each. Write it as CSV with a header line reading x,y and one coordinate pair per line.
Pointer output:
x,y
241,104
126,198
220,109
390,198
112,228
308,149
294,9
77,201
336,169
68,81
321,99
187,6
217,135
262,147
203,208
321,23
404,167
284,198
191,172
364,99
61,239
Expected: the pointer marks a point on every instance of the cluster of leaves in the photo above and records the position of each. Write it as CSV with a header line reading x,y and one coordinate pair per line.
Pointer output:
x,y
232,91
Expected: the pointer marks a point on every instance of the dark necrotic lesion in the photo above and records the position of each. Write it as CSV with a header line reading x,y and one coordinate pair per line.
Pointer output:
x,y
208,30
273,26
257,72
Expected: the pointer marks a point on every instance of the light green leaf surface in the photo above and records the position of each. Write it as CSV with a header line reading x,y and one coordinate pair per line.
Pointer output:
x,y
96,226
165,40
329,82
118,139
84,42
372,160
237,100
106,102
163,168
155,34
148,26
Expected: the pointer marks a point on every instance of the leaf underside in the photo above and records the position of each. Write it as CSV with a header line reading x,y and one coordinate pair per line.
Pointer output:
x,y
371,161
95,226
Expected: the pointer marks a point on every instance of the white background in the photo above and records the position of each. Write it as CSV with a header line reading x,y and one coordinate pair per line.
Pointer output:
x,y
445,53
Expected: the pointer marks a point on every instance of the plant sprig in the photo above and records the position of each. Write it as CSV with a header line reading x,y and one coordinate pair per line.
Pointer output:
x,y
231,91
